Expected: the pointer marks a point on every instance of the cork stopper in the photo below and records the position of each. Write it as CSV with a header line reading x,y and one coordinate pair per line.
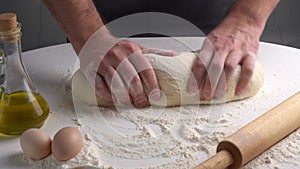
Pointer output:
x,y
8,21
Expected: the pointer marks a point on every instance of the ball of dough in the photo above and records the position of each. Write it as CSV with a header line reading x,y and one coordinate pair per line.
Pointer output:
x,y
173,74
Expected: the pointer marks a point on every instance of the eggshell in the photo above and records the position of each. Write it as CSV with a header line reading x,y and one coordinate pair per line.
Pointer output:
x,y
35,143
67,143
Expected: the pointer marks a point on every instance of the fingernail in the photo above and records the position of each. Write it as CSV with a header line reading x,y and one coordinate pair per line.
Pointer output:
x,y
238,91
155,94
173,53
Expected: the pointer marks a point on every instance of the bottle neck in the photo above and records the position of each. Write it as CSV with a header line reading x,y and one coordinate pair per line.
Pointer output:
x,y
13,75
13,35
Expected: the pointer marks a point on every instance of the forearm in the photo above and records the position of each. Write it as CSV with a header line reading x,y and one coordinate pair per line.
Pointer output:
x,y
254,12
79,19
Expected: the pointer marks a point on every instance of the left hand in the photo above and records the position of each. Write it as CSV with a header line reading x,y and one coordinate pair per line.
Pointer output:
x,y
234,41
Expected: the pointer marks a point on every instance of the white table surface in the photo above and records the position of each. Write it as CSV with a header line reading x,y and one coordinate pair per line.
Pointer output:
x,y
49,68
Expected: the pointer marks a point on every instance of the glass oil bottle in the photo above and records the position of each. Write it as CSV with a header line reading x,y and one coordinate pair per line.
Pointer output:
x,y
21,105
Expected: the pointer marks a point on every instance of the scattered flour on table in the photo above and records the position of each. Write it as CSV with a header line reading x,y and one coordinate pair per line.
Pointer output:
x,y
182,136
154,138
87,156
285,155
178,137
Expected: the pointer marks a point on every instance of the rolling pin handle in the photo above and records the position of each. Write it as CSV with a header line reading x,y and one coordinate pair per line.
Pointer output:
x,y
221,160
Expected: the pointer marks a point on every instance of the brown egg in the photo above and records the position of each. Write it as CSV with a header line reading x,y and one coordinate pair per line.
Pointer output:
x,y
35,143
67,143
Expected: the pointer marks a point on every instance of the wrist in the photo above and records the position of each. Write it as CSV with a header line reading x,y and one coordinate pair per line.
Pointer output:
x,y
236,27
84,27
79,19
245,23
253,12
243,20
96,47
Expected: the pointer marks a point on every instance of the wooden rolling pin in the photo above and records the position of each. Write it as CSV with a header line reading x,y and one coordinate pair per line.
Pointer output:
x,y
256,137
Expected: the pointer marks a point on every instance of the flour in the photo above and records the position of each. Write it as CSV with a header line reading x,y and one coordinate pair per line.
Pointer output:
x,y
285,154
154,138
176,137
180,137
87,156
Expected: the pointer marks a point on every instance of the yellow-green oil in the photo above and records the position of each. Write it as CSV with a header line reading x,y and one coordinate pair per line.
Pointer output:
x,y
20,111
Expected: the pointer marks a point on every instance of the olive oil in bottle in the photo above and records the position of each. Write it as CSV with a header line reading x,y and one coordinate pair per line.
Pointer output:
x,y
21,105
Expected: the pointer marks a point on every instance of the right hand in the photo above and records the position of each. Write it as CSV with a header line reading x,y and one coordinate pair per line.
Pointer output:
x,y
131,71
124,75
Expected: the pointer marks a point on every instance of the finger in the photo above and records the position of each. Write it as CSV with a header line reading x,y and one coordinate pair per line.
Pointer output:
x,y
214,74
230,65
128,72
246,74
115,83
114,57
133,82
117,57
221,87
162,52
145,69
102,90
199,69
147,74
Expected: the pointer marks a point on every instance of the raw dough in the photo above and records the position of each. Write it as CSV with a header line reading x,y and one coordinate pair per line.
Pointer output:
x,y
173,74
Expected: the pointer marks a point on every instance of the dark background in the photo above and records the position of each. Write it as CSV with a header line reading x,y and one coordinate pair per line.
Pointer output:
x,y
40,29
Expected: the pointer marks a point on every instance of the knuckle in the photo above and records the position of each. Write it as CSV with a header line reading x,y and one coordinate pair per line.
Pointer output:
x,y
103,68
248,71
147,73
113,52
229,66
106,71
102,64
117,57
135,80
129,45
198,63
218,44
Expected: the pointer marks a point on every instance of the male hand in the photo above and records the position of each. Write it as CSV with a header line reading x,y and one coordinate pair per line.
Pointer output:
x,y
121,73
124,67
235,41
